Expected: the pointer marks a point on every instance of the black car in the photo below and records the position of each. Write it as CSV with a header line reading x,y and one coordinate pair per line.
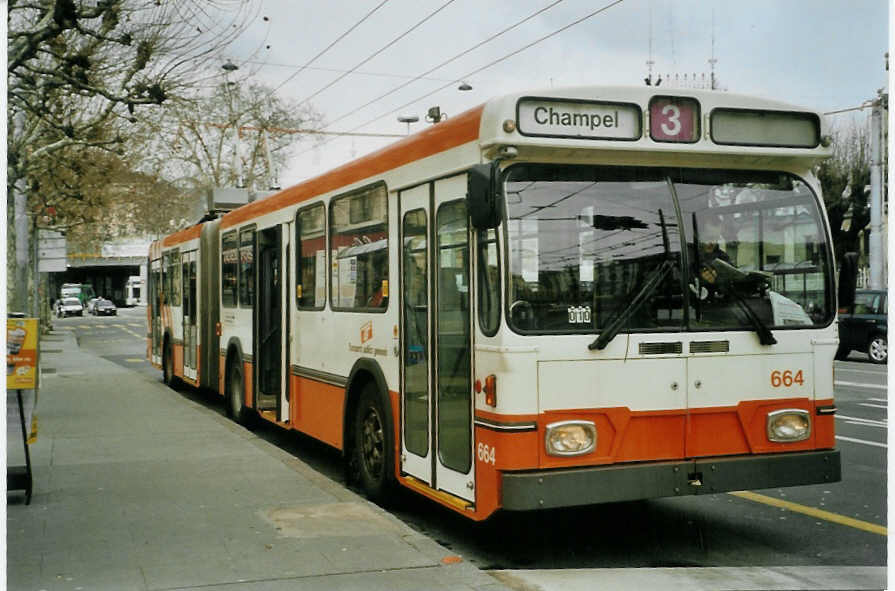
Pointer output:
x,y
865,326
103,307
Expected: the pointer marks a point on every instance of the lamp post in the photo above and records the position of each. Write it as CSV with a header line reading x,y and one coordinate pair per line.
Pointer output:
x,y
408,119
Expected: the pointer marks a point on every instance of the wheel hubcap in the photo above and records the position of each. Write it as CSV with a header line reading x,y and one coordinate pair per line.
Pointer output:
x,y
235,394
878,349
373,443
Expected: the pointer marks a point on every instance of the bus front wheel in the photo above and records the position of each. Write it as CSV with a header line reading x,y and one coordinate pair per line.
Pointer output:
x,y
373,446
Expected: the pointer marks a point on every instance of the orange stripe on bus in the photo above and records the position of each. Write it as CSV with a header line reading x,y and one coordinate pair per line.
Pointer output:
x,y
190,233
317,410
454,132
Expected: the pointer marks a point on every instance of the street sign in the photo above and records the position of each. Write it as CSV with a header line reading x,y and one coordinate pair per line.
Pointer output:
x,y
51,251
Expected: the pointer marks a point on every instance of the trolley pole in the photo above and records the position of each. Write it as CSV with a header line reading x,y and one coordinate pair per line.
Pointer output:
x,y
876,163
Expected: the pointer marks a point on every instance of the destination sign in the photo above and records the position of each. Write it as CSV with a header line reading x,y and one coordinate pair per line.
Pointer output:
x,y
578,119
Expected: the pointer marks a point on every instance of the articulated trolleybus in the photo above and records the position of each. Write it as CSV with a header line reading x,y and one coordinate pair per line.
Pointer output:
x,y
559,298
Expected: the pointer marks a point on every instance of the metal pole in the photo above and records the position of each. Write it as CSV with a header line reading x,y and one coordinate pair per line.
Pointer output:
x,y
876,243
35,305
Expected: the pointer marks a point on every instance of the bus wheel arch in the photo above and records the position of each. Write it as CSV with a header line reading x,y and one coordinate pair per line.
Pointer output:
x,y
369,456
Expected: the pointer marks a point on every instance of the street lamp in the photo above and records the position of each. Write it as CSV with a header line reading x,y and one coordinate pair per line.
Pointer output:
x,y
408,119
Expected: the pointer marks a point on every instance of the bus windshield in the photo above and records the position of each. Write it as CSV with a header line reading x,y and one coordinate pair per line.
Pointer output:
x,y
653,249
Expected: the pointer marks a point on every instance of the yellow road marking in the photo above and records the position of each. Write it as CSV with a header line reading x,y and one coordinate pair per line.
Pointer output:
x,y
134,360
811,511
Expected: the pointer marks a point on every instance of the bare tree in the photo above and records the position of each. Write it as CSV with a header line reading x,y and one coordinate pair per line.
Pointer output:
x,y
844,179
237,135
79,75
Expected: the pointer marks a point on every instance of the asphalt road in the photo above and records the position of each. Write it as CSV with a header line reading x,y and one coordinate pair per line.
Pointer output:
x,y
841,524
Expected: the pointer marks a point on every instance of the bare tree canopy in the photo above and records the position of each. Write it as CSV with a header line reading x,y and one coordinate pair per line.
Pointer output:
x,y
844,179
78,72
238,134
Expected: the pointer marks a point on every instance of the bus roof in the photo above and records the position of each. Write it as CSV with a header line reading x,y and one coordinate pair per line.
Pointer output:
x,y
486,125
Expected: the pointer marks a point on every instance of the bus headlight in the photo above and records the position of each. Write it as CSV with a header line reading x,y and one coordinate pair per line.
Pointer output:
x,y
787,425
570,438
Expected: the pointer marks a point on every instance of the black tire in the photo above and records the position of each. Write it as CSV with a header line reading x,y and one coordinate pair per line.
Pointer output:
x,y
235,403
168,365
373,445
878,349
842,353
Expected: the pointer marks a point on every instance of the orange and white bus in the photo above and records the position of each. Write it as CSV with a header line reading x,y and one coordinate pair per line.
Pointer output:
x,y
558,298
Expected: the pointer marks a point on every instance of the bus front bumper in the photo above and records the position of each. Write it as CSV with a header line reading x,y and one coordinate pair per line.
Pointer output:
x,y
545,489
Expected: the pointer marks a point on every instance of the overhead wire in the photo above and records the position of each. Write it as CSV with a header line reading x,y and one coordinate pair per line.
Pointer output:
x,y
446,62
379,51
478,70
330,46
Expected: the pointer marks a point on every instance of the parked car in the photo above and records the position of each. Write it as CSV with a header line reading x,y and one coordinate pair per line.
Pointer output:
x,y
104,307
88,307
865,326
69,307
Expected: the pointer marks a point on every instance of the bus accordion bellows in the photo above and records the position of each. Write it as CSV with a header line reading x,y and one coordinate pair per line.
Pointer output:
x,y
558,298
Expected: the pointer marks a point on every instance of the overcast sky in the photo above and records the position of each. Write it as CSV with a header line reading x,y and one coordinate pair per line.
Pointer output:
x,y
827,54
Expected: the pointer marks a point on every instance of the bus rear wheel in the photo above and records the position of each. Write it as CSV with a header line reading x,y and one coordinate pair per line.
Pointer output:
x,y
373,446
236,409
168,366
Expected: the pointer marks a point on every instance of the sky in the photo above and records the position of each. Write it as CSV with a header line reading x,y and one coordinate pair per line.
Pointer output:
x,y
342,56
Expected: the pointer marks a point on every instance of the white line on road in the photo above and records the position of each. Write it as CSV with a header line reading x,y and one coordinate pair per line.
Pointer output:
x,y
873,405
866,422
862,441
860,385
877,400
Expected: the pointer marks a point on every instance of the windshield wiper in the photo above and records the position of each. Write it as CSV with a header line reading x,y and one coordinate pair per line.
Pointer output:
x,y
727,278
653,282
647,290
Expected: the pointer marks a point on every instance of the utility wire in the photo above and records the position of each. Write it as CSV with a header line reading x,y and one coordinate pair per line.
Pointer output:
x,y
481,69
383,48
330,46
444,63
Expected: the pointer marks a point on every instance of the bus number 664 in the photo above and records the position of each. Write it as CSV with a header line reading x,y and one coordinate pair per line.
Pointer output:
x,y
486,453
786,378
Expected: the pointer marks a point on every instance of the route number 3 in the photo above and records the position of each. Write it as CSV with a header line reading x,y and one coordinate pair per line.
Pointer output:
x,y
486,453
786,378
674,119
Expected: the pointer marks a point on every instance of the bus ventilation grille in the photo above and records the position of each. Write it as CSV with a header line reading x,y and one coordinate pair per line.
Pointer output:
x,y
710,347
660,348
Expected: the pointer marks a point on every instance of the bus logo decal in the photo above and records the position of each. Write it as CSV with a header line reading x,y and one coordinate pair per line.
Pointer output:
x,y
366,332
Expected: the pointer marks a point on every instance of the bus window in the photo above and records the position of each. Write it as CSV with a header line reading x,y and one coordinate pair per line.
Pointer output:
x,y
229,260
311,259
489,282
359,246
765,226
247,268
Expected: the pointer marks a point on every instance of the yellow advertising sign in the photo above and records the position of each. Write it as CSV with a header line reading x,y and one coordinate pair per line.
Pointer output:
x,y
21,353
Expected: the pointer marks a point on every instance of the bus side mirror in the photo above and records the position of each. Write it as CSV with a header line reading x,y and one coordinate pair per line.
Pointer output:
x,y
848,281
481,196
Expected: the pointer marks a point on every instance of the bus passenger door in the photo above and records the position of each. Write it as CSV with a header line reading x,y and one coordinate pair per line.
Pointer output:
x,y
155,301
285,321
454,468
269,314
416,403
190,312
436,339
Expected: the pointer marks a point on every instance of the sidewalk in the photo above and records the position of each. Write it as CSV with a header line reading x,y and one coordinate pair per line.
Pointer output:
x,y
138,488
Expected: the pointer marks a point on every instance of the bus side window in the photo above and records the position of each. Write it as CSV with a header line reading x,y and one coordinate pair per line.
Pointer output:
x,y
489,282
229,261
310,262
246,268
359,250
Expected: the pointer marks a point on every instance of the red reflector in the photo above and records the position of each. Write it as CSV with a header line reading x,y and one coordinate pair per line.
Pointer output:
x,y
491,390
843,310
478,386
